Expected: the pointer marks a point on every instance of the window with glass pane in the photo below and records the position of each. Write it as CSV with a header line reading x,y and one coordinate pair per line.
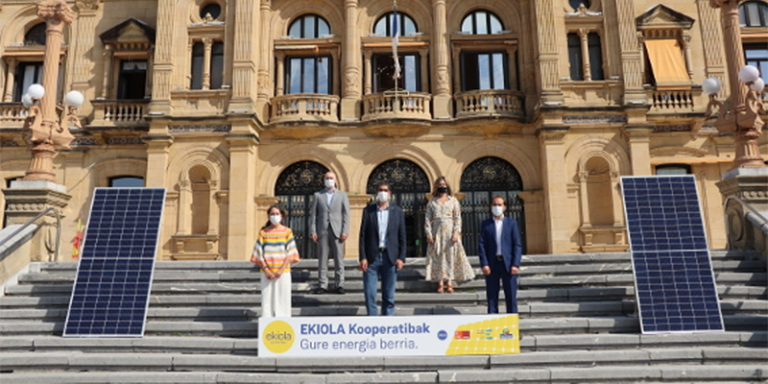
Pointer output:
x,y
574,57
673,169
213,9
753,14
35,35
309,27
756,54
126,182
483,70
575,4
384,70
198,52
383,26
217,65
28,73
481,23
132,80
308,74
595,56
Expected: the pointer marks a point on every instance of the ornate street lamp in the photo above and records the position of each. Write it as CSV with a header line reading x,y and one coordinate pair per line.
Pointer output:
x,y
45,134
741,116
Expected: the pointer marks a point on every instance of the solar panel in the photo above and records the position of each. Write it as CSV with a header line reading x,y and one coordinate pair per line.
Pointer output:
x,y
114,276
674,282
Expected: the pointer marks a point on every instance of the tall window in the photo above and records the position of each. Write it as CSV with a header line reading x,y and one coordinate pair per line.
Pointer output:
x,y
481,23
28,73
126,182
673,169
384,70
35,35
133,79
753,14
575,57
383,25
308,74
309,27
595,56
483,70
217,65
198,53
756,54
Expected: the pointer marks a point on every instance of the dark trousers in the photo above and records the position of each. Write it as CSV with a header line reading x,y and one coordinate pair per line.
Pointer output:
x,y
381,267
499,272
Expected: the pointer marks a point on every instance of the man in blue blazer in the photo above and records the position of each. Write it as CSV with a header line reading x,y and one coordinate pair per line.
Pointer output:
x,y
382,250
500,254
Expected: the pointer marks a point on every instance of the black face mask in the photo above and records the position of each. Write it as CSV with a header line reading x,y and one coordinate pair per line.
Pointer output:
x,y
442,190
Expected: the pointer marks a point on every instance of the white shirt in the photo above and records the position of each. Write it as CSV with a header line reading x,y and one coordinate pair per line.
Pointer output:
x,y
329,195
383,216
498,223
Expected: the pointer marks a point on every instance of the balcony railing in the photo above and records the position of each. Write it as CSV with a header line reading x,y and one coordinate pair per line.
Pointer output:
x,y
305,106
674,101
12,115
489,102
118,112
397,104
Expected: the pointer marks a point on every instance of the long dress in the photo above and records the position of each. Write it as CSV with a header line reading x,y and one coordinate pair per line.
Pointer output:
x,y
446,261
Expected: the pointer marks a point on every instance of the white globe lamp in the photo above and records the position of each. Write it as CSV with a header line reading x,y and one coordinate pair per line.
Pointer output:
x,y
758,85
748,74
711,86
74,99
27,100
36,91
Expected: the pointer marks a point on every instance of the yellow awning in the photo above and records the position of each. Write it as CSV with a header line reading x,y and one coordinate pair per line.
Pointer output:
x,y
668,64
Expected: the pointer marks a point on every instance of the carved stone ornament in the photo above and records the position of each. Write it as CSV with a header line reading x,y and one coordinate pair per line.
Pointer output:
x,y
87,5
55,10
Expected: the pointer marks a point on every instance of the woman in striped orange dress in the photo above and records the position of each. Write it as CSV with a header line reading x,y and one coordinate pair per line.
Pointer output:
x,y
274,252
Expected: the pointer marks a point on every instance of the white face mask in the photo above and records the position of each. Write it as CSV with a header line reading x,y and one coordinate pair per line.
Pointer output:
x,y
275,219
497,210
383,196
330,183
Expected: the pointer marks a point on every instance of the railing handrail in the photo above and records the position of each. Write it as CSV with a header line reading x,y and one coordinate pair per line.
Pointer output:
x,y
745,204
30,222
302,96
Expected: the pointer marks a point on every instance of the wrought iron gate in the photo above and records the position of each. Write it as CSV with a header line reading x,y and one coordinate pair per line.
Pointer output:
x,y
295,188
409,186
481,180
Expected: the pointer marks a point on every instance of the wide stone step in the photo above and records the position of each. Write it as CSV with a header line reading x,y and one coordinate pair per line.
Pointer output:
x,y
156,344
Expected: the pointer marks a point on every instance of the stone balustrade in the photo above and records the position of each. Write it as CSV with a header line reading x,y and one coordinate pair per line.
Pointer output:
x,y
12,115
671,101
489,102
397,104
119,112
305,106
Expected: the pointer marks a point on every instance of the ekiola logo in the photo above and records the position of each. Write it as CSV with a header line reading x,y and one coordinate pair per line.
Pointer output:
x,y
278,336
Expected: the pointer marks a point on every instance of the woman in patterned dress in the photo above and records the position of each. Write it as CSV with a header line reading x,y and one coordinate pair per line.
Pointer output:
x,y
275,251
446,259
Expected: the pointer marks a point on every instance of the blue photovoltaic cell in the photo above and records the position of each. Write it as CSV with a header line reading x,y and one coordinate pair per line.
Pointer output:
x,y
674,282
114,275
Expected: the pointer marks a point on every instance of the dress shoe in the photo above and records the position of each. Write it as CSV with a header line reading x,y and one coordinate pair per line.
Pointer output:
x,y
340,290
319,291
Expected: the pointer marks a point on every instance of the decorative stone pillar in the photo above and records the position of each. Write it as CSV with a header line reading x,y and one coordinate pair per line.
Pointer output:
x,y
265,81
442,102
586,68
632,67
183,223
552,144
108,59
162,73
712,41
350,96
368,74
424,55
356,205
10,80
687,53
245,55
639,138
243,220
584,198
213,210
207,45
82,44
280,64
618,206
548,50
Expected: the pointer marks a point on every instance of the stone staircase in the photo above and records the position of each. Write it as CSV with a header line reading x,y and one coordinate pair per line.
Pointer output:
x,y
578,325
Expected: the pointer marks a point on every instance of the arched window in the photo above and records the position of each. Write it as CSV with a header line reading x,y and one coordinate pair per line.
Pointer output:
x,y
35,35
406,25
481,23
575,4
212,9
309,27
753,14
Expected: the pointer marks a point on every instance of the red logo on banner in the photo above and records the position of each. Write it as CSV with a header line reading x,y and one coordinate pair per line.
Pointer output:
x,y
461,335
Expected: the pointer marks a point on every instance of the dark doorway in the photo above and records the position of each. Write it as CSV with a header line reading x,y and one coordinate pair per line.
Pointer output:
x,y
295,188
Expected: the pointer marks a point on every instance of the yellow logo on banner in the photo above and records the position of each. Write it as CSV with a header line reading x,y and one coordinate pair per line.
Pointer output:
x,y
278,336
500,335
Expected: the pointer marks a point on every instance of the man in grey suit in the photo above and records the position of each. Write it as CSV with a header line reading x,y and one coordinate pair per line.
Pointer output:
x,y
329,228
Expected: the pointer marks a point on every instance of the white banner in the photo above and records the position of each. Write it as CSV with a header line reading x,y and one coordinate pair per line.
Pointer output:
x,y
389,336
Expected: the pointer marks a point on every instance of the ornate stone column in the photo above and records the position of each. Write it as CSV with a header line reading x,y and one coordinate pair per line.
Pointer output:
x,y
10,80
82,44
368,74
350,96
552,144
108,58
442,102
265,81
207,45
687,52
712,40
584,198
632,66
162,73
245,61
586,68
548,56
183,223
213,210
280,64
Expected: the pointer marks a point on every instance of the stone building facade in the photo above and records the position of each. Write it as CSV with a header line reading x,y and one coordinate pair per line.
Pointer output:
x,y
233,105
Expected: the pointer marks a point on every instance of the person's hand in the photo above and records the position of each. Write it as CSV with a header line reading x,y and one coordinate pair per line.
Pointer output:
x,y
270,275
514,270
454,239
277,274
343,237
399,264
363,265
430,240
487,270
314,237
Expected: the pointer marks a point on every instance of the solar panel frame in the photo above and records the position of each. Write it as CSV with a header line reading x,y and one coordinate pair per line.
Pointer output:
x,y
150,261
702,247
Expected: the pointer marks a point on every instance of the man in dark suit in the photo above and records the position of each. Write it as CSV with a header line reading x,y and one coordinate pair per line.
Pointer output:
x,y
500,254
382,250
329,227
